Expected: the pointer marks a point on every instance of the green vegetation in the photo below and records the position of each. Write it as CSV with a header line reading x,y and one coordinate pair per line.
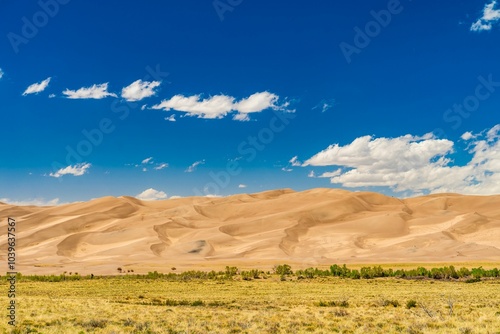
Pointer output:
x,y
284,270
224,302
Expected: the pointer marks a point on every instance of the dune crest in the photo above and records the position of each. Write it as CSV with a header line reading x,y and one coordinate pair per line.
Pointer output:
x,y
308,228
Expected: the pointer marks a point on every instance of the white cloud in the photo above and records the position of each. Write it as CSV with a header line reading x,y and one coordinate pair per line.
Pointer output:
x,y
139,90
325,105
37,87
286,169
75,170
241,186
311,174
144,169
170,118
493,133
415,164
218,106
92,92
295,162
51,96
467,136
147,160
255,103
161,166
1,73
36,202
195,164
490,16
331,174
151,195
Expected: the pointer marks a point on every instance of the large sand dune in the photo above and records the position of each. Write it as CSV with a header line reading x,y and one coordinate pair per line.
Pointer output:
x,y
309,228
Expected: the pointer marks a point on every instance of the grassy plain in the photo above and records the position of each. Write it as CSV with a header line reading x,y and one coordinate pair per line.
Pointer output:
x,y
319,305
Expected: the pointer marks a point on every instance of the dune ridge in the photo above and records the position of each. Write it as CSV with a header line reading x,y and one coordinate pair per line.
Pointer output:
x,y
308,228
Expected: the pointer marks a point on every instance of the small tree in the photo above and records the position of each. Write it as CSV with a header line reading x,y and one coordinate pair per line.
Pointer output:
x,y
283,269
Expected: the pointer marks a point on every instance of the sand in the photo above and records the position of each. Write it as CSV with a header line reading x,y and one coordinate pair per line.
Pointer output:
x,y
309,228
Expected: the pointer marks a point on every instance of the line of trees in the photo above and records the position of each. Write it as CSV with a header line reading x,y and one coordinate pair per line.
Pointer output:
x,y
285,270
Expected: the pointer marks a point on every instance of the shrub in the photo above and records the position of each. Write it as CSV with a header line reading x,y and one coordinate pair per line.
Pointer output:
x,y
231,271
343,303
387,302
94,324
411,303
283,269
197,303
473,280
340,313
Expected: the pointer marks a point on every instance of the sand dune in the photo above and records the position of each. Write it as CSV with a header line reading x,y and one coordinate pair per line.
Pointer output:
x,y
309,228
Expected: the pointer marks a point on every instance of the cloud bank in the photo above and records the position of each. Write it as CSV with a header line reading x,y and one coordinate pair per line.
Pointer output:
x,y
415,164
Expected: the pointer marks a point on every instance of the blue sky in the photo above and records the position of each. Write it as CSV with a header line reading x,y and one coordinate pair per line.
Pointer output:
x,y
177,98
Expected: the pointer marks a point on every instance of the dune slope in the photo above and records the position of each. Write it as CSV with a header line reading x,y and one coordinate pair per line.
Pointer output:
x,y
313,227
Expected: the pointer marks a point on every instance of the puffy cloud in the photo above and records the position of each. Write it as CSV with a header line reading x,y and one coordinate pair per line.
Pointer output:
x,y
151,195
218,106
415,164
92,92
170,118
37,87
195,164
75,170
490,16
467,136
241,186
139,90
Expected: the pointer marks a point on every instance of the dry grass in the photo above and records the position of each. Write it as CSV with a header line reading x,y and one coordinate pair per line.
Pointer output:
x,y
323,305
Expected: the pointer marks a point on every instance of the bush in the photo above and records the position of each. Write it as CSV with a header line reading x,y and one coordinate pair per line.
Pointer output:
x,y
231,271
343,303
411,303
473,280
198,303
283,269
388,302
91,324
